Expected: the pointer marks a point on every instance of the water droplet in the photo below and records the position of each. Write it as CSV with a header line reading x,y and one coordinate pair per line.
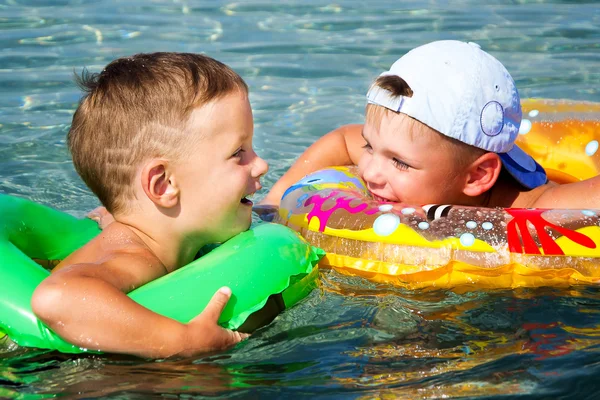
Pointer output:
x,y
385,207
591,148
467,239
487,226
525,127
471,224
423,225
534,113
386,224
407,211
588,213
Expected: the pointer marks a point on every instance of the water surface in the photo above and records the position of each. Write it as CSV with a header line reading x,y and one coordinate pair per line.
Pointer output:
x,y
308,64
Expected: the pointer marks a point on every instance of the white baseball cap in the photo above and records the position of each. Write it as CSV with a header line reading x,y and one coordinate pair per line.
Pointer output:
x,y
466,94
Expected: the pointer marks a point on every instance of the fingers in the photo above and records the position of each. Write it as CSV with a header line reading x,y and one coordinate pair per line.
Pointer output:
x,y
216,305
213,311
96,214
101,216
266,212
204,330
239,336
233,338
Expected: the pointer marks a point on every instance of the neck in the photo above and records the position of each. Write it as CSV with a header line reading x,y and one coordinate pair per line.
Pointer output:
x,y
483,200
171,247
486,198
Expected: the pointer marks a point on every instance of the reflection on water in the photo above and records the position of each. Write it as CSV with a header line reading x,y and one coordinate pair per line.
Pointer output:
x,y
354,338
308,64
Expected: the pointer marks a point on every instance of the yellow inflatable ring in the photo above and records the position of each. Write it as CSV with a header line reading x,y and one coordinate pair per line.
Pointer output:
x,y
445,246
563,137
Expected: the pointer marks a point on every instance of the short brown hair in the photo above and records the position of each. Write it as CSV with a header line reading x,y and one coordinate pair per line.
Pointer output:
x,y
397,86
136,108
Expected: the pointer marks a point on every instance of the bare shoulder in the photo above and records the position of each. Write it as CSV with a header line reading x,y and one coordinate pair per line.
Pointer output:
x,y
507,193
354,140
531,198
577,195
117,255
352,130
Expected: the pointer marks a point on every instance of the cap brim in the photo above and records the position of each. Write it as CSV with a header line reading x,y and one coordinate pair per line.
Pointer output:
x,y
523,168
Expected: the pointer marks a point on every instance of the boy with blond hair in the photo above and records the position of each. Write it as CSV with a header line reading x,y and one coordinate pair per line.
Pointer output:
x,y
165,142
440,128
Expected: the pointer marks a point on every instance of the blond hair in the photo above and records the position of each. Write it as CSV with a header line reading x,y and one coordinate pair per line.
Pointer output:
x,y
465,153
136,109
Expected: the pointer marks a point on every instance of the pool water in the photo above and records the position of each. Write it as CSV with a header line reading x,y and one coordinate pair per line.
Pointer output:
x,y
308,64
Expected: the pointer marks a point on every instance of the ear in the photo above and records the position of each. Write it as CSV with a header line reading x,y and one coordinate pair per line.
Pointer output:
x,y
482,174
159,183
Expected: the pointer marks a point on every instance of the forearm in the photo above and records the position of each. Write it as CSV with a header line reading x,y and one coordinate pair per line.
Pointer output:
x,y
85,316
339,147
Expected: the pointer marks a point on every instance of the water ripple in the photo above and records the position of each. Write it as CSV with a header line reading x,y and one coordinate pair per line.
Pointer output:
x,y
308,64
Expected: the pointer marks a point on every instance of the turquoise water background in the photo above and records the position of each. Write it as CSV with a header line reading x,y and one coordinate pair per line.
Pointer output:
x,y
308,64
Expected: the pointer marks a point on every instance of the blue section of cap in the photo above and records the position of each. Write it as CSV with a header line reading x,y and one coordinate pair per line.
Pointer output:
x,y
529,179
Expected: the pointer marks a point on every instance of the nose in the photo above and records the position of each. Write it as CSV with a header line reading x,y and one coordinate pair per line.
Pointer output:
x,y
260,167
373,172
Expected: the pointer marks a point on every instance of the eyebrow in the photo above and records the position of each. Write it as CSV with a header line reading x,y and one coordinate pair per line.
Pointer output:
x,y
244,137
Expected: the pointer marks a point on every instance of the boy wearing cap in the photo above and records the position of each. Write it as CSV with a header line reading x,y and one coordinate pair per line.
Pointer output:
x,y
440,128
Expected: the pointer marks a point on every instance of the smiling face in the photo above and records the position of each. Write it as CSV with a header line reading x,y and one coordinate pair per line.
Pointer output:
x,y
222,171
407,161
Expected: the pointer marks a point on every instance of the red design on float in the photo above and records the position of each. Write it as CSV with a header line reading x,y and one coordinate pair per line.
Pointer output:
x,y
520,218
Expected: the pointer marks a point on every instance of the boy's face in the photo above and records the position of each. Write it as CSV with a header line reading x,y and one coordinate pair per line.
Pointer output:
x,y
405,161
223,171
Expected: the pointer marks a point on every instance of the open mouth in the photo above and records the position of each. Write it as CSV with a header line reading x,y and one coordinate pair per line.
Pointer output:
x,y
246,201
380,199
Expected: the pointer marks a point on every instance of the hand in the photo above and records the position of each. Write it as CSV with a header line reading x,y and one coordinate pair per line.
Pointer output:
x,y
204,333
266,212
101,216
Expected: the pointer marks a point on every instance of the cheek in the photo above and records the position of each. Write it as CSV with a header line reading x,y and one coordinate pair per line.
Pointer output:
x,y
210,191
414,186
400,183
362,162
453,178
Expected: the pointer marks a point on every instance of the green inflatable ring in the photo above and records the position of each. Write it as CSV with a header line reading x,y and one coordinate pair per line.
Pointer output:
x,y
267,265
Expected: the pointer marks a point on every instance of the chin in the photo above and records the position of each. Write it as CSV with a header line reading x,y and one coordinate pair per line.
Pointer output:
x,y
244,228
243,225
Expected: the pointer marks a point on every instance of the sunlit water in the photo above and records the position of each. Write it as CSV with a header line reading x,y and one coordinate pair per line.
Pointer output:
x,y
308,64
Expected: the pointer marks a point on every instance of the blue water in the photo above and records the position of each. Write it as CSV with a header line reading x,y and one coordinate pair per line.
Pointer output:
x,y
308,64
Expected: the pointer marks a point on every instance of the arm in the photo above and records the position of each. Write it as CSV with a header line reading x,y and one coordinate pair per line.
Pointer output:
x,y
86,304
578,195
342,146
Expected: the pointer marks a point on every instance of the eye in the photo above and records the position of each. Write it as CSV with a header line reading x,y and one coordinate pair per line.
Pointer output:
x,y
368,147
238,153
401,165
